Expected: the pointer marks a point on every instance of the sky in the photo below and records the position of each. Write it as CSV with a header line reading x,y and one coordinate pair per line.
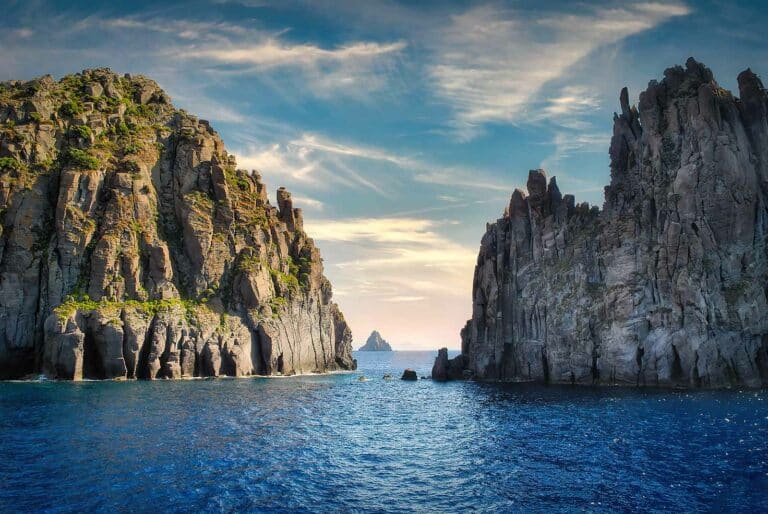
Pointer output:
x,y
401,128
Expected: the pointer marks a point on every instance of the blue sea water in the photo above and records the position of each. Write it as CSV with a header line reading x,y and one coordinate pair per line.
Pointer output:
x,y
335,444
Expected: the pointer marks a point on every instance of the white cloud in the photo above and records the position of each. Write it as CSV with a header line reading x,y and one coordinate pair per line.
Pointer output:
x,y
351,69
315,161
567,107
567,144
400,299
306,162
409,256
183,29
378,230
305,201
273,53
394,242
492,62
23,33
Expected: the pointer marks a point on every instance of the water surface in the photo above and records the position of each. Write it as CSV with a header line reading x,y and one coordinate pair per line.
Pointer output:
x,y
335,444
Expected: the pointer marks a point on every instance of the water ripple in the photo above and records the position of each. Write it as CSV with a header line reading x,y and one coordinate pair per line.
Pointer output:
x,y
335,444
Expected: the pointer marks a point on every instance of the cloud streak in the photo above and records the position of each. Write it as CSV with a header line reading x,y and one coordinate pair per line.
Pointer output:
x,y
272,53
409,255
311,160
491,62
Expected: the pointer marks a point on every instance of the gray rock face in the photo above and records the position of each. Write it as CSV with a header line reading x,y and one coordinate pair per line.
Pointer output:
x,y
666,286
133,247
448,369
375,343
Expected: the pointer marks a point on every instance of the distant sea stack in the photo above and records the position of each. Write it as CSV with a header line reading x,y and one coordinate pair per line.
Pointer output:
x,y
666,285
375,343
133,247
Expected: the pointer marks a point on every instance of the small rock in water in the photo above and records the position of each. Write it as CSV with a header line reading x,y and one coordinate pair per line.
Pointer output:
x,y
409,374
361,379
387,377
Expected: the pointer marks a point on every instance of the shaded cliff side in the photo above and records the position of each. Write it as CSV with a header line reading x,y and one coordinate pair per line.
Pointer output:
x,y
133,247
666,286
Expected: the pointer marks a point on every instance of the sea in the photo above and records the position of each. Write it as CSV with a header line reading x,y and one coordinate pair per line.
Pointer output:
x,y
344,443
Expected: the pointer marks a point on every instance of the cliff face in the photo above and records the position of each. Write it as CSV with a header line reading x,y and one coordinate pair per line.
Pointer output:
x,y
666,286
132,246
375,343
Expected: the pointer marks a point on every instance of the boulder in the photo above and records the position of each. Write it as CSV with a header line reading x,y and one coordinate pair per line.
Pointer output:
x,y
94,89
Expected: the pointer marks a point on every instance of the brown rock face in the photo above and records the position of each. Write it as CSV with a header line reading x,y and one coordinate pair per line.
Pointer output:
x,y
666,286
133,247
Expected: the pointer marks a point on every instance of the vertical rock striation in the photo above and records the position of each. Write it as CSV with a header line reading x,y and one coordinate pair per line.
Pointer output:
x,y
666,286
132,246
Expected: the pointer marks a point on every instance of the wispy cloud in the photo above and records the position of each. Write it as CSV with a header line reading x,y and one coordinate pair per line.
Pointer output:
x,y
308,162
354,69
272,53
229,49
567,107
401,299
405,268
491,62
566,144
185,29
315,161
22,33
378,230
306,201
398,248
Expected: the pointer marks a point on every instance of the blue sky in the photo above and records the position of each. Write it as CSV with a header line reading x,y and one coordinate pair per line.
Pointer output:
x,y
400,127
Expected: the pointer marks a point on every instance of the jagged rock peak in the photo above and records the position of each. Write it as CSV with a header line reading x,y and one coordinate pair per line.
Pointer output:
x,y
133,247
663,287
375,343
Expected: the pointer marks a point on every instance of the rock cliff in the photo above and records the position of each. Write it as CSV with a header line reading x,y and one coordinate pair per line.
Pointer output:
x,y
666,285
375,343
132,246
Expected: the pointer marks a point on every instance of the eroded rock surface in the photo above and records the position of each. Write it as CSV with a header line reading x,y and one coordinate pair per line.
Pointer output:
x,y
133,247
666,286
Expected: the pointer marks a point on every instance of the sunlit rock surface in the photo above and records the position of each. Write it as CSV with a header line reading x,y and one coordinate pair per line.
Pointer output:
x,y
133,247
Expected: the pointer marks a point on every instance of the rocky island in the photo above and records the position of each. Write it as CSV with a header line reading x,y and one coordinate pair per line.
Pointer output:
x,y
133,247
666,285
375,343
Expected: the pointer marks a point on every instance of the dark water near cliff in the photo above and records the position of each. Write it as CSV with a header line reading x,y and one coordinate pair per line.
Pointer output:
x,y
332,443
